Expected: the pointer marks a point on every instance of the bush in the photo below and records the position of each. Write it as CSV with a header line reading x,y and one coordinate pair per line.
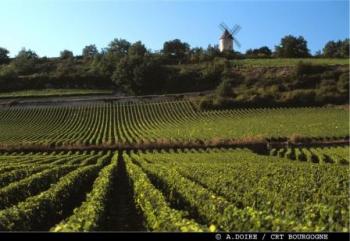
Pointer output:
x,y
330,95
206,103
299,97
224,89
263,52
212,73
8,77
343,83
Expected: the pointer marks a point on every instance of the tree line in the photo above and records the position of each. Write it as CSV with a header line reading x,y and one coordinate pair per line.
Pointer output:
x,y
131,68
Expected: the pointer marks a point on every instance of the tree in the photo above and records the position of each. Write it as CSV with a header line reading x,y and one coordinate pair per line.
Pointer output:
x,y
89,52
138,49
345,48
66,54
263,52
336,49
27,54
110,56
138,75
25,61
176,50
331,49
292,47
4,58
118,47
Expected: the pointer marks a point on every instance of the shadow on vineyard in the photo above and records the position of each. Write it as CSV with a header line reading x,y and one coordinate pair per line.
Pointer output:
x,y
75,199
321,155
122,214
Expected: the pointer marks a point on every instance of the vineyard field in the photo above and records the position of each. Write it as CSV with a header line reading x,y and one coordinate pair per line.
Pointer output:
x,y
165,165
116,123
174,190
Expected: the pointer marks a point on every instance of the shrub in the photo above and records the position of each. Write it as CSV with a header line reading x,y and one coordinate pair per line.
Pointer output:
x,y
224,89
206,103
343,83
299,97
8,75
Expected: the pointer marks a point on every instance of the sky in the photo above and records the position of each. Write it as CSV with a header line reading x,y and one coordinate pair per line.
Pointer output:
x,y
50,26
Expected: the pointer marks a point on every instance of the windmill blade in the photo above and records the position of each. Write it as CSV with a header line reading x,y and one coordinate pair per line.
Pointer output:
x,y
223,26
237,43
235,29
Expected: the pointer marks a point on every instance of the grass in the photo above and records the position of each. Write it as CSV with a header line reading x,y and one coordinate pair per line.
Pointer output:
x,y
281,62
53,93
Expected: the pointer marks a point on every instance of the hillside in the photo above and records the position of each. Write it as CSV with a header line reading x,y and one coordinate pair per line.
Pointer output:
x,y
239,83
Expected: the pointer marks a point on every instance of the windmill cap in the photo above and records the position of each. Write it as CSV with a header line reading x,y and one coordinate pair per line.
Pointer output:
x,y
226,35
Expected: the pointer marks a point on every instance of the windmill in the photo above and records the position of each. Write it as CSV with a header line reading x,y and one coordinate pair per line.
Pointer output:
x,y
227,38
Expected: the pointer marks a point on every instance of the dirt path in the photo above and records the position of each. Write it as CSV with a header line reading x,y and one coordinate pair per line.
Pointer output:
x,y
122,214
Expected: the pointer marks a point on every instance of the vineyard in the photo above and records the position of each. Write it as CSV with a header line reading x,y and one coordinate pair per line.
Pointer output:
x,y
118,123
56,174
183,190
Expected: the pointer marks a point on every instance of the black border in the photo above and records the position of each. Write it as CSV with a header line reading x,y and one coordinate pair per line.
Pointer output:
x,y
162,236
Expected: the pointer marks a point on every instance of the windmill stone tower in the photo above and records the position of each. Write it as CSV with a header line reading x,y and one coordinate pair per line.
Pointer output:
x,y
227,39
226,42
